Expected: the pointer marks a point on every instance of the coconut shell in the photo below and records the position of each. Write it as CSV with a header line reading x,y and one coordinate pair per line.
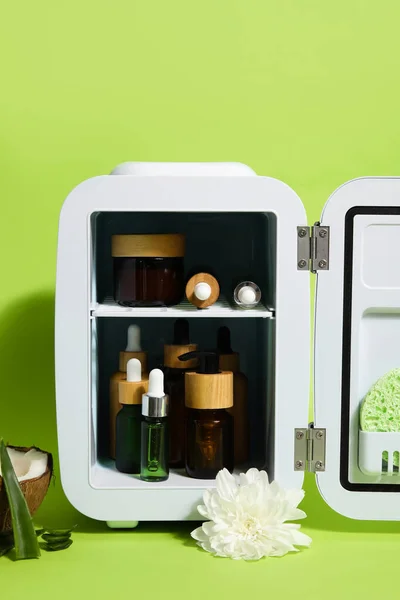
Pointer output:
x,y
34,490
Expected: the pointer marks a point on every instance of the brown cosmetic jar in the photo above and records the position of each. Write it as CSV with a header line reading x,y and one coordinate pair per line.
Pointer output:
x,y
148,269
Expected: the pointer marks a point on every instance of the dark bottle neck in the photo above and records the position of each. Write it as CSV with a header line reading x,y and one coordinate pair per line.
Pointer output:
x,y
175,371
207,412
153,420
132,408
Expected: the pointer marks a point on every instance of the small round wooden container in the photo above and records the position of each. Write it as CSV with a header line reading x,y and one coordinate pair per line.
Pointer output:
x,y
202,278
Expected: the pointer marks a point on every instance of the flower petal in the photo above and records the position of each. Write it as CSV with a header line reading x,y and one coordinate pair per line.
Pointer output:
x,y
294,497
199,535
208,528
297,514
206,546
300,538
251,476
203,511
226,485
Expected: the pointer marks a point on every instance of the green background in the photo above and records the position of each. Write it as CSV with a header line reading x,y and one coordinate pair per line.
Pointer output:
x,y
305,91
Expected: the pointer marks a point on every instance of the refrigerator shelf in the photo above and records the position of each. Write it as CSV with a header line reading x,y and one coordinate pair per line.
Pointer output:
x,y
221,309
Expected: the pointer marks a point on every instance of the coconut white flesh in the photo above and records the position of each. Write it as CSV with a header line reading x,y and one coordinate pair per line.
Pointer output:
x,y
27,465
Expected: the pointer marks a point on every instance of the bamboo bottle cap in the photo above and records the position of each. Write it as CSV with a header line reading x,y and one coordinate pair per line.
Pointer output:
x,y
159,245
229,362
173,351
131,392
202,290
209,391
125,355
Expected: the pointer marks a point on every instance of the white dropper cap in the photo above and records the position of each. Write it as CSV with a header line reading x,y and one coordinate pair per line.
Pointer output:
x,y
133,344
156,383
202,290
247,295
134,370
155,402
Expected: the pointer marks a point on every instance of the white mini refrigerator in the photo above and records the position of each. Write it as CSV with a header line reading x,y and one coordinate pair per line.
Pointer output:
x,y
237,221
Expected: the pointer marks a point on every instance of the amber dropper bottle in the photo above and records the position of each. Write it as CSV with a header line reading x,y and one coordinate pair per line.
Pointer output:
x,y
230,361
174,370
209,426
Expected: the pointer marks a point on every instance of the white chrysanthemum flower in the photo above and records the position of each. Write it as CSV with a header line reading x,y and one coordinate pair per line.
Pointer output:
x,y
247,518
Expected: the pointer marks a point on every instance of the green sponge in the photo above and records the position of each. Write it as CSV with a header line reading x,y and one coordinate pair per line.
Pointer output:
x,y
380,410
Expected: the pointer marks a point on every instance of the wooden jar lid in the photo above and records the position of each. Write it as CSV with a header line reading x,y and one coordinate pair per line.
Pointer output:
x,y
202,278
172,353
157,245
229,362
204,391
124,356
131,392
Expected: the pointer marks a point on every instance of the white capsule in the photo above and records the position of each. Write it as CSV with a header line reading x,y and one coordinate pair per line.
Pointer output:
x,y
134,370
133,344
202,290
156,383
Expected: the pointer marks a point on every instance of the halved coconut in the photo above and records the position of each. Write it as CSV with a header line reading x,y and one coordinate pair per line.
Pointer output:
x,y
34,469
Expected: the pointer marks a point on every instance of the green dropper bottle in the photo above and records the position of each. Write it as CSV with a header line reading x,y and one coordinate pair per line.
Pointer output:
x,y
128,421
154,455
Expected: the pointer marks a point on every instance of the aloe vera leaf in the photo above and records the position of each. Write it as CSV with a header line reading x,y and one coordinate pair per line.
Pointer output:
x,y
49,537
60,531
55,547
25,540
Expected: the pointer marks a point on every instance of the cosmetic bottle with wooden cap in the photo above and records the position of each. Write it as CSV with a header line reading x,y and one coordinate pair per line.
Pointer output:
x,y
202,287
174,373
230,361
133,350
148,269
209,426
129,418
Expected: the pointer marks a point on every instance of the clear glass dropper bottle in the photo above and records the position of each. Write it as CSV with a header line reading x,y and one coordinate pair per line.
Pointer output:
x,y
154,455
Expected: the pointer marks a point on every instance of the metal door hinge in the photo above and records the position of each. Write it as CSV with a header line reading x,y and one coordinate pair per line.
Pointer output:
x,y
309,449
313,248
